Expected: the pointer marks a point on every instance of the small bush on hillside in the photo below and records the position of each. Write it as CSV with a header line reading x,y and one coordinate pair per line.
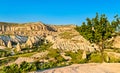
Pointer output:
x,y
95,57
4,53
11,69
76,57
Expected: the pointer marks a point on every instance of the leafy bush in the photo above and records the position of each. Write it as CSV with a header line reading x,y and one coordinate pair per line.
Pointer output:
x,y
28,67
66,35
7,60
25,67
4,53
95,57
76,57
53,53
11,69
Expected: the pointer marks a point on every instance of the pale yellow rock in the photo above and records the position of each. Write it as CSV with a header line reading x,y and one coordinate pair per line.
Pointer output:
x,y
84,56
116,42
9,45
2,43
18,47
29,43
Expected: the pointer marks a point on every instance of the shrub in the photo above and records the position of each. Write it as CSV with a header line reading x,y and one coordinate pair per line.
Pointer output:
x,y
76,57
11,69
25,67
95,57
4,53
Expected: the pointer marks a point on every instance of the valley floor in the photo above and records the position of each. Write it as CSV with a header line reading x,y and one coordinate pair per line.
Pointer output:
x,y
86,68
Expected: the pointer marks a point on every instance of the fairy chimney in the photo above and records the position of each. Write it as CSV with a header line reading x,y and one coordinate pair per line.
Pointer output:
x,y
29,43
84,55
18,47
9,45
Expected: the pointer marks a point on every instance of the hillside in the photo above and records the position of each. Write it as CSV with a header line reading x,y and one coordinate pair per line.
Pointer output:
x,y
36,46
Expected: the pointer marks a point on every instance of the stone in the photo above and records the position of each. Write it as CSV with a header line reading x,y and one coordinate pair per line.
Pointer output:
x,y
18,47
9,45
2,43
116,42
65,57
84,55
29,43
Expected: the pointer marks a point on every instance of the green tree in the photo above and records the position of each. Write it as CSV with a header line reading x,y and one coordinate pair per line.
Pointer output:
x,y
99,29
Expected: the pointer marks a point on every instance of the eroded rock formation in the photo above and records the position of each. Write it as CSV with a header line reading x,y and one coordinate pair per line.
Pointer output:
x,y
29,29
63,37
116,42
18,47
9,45
2,43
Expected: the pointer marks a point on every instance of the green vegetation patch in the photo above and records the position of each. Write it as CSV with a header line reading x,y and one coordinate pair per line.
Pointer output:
x,y
4,53
66,35
95,57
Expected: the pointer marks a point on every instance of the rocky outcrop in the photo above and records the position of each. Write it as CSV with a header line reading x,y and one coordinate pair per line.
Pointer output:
x,y
116,42
65,57
63,37
33,40
74,44
28,29
84,55
13,40
40,55
2,43
18,47
29,43
22,59
9,45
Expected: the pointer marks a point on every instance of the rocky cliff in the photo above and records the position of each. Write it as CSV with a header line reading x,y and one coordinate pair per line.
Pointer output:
x,y
63,37
25,29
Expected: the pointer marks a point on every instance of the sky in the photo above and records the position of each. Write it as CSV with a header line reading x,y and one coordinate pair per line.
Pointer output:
x,y
56,11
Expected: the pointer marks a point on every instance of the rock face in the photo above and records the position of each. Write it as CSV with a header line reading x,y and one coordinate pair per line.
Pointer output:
x,y
74,44
11,40
116,42
29,43
15,41
33,40
18,47
22,59
28,29
9,45
84,56
65,57
63,37
2,43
